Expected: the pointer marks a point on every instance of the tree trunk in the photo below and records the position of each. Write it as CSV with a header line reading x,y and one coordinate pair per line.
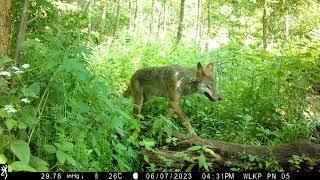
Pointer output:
x,y
103,21
265,25
116,25
22,31
152,17
286,27
5,22
209,25
140,26
196,38
135,17
164,27
89,18
159,22
181,16
130,17
226,153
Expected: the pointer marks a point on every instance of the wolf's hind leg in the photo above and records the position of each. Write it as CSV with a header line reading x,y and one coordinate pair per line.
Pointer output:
x,y
138,98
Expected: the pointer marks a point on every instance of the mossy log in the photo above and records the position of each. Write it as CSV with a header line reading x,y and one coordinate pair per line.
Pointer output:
x,y
226,153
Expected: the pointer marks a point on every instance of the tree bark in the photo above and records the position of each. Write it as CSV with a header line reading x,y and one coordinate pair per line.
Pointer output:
x,y
286,27
5,22
116,25
152,17
130,17
22,31
140,16
181,16
135,19
103,21
164,27
209,25
159,22
265,25
90,18
196,38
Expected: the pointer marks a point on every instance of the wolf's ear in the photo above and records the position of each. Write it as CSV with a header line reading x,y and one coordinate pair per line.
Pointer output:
x,y
209,69
199,70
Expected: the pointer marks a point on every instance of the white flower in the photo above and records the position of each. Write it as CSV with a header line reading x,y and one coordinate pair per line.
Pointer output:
x,y
25,100
10,109
25,66
5,73
18,72
15,68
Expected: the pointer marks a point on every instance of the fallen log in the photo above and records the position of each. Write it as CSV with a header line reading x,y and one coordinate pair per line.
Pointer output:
x,y
282,153
226,153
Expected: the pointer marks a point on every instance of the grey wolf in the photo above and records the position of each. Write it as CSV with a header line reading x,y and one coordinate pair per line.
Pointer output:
x,y
172,81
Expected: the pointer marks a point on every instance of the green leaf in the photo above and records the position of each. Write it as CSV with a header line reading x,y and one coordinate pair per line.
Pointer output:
x,y
5,59
31,91
39,164
50,149
4,100
190,167
211,152
67,146
61,156
118,125
83,107
22,166
71,160
3,159
157,125
247,117
28,115
58,145
21,150
148,143
202,162
146,158
97,151
10,123
194,148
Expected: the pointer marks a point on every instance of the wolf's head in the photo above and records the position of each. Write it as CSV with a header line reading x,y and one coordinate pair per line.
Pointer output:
x,y
206,83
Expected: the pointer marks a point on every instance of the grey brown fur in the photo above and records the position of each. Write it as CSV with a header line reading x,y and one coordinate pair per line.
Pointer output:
x,y
172,81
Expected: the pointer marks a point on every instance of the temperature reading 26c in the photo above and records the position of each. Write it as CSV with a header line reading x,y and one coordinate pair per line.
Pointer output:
x,y
115,176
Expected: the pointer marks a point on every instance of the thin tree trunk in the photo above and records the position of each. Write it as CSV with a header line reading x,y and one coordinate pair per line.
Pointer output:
x,y
286,27
5,20
196,38
209,25
135,17
181,16
103,21
164,27
265,25
159,22
89,18
22,31
130,17
152,17
140,17
117,18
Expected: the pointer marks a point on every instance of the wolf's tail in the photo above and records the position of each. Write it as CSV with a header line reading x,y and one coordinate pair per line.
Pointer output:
x,y
127,92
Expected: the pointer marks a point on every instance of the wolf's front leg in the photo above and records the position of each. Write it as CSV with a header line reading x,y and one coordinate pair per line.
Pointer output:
x,y
174,107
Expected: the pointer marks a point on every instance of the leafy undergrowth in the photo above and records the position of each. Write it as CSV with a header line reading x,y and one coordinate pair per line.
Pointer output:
x,y
65,112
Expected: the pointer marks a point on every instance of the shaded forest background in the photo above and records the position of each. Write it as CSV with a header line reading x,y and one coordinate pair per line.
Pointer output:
x,y
65,64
